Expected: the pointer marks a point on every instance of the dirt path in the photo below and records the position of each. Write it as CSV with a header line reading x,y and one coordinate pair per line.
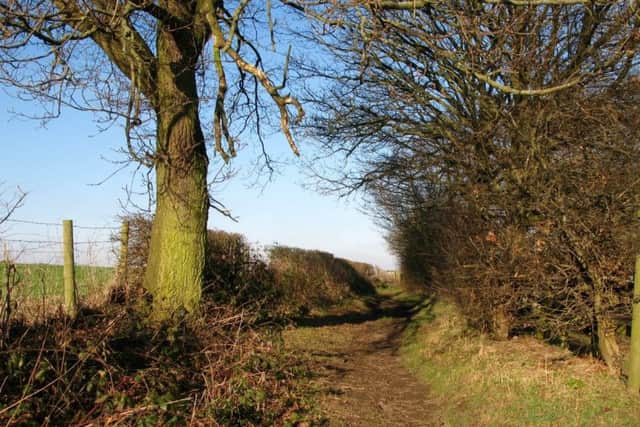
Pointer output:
x,y
358,371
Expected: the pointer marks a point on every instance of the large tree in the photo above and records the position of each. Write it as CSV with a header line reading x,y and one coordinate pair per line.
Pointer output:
x,y
152,63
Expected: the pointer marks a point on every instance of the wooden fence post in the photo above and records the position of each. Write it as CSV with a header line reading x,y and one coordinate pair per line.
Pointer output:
x,y
123,262
70,301
634,355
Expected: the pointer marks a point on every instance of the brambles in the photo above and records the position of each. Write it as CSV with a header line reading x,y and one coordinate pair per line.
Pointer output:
x,y
111,368
224,365
235,273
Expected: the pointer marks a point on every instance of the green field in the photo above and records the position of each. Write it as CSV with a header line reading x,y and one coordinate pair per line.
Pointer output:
x,y
38,280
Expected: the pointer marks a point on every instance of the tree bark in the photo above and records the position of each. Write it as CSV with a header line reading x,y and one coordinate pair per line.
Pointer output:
x,y
501,323
606,333
175,266
608,344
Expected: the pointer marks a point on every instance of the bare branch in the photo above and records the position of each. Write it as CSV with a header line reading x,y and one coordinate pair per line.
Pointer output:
x,y
525,92
9,206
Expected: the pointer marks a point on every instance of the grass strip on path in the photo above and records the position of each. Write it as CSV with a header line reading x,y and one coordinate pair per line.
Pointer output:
x,y
522,381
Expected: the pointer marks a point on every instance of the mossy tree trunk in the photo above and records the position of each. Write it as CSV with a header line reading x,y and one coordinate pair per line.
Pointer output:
x,y
175,266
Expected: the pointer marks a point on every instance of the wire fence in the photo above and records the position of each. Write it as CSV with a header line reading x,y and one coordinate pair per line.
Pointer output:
x,y
36,252
28,241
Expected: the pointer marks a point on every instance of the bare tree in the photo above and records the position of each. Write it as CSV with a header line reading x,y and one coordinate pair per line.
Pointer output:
x,y
153,64
495,137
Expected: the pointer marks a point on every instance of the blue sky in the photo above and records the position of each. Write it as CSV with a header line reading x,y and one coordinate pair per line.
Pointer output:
x,y
57,165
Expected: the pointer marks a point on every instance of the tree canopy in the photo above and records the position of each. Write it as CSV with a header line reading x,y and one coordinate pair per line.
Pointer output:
x,y
497,141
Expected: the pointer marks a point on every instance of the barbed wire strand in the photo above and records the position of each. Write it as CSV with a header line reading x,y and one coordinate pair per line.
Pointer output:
x,y
57,242
55,224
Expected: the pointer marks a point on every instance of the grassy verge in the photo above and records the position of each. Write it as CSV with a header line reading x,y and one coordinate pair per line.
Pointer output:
x,y
522,381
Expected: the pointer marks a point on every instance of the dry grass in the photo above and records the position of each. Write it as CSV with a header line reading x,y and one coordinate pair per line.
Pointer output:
x,y
522,381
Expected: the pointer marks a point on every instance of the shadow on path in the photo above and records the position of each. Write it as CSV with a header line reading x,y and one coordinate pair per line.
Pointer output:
x,y
357,366
379,307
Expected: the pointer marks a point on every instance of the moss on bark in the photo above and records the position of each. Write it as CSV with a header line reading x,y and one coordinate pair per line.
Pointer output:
x,y
178,238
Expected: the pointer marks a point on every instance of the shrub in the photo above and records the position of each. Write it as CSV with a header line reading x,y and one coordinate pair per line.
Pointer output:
x,y
308,278
534,235
236,274
291,283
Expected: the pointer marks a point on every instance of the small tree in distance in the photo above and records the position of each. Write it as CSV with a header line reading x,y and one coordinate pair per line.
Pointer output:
x,y
9,206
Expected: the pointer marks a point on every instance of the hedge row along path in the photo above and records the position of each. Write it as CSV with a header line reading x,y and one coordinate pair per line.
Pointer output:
x,y
357,369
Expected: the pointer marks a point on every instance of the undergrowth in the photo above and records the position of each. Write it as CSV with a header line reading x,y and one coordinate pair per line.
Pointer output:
x,y
110,367
523,381
225,366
